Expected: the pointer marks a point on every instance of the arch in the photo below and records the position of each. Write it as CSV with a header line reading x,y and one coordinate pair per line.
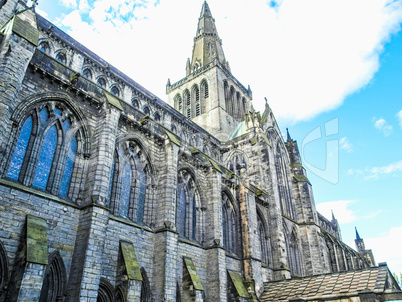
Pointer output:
x,y
226,93
187,103
239,110
293,252
3,269
188,207
44,46
178,103
204,95
101,82
237,161
87,73
145,287
56,136
105,291
146,110
263,237
61,56
54,281
230,224
136,103
195,96
232,102
115,90
120,295
157,117
284,189
131,189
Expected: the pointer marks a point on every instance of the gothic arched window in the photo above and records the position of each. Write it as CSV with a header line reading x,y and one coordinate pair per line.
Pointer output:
x,y
263,239
230,226
188,208
283,184
204,95
105,291
178,103
196,98
236,163
61,57
115,91
44,46
54,281
146,110
101,82
136,103
293,253
45,152
157,117
128,193
87,74
187,102
227,99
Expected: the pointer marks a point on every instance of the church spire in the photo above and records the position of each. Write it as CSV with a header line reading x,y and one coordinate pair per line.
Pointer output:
x,y
207,44
357,234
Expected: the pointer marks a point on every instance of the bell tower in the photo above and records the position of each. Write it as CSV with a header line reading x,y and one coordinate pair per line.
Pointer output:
x,y
210,95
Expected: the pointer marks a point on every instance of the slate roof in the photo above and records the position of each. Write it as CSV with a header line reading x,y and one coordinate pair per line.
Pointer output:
x,y
330,286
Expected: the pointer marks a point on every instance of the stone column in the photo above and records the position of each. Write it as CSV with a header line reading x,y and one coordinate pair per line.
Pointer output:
x,y
216,254
252,267
166,237
86,267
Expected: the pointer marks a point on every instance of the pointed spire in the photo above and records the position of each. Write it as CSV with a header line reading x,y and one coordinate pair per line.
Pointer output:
x,y
357,234
333,216
290,139
188,67
207,44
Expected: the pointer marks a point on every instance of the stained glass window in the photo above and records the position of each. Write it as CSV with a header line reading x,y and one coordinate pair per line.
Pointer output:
x,y
68,170
20,149
45,159
44,115
141,196
66,124
57,111
109,194
181,210
125,190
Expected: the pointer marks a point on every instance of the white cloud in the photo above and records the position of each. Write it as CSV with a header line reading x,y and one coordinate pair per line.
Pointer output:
x,y
41,12
345,144
382,125
340,208
69,3
399,116
387,248
370,173
297,54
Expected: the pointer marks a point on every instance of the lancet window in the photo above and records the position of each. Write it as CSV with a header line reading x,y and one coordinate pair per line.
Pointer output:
x,y
130,189
283,184
189,215
47,147
230,225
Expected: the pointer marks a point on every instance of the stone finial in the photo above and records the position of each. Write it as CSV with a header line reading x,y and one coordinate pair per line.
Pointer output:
x,y
357,234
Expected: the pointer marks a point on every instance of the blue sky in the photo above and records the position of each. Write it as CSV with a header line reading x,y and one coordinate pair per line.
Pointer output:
x,y
335,63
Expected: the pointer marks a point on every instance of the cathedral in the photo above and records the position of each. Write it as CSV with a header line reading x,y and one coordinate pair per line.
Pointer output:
x,y
108,193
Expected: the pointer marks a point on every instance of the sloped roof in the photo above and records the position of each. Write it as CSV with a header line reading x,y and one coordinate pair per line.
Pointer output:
x,y
330,286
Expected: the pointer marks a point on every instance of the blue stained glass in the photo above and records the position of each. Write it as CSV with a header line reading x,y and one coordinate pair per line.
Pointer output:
x,y
125,190
44,115
68,170
45,159
109,194
181,210
57,111
20,149
141,196
66,124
